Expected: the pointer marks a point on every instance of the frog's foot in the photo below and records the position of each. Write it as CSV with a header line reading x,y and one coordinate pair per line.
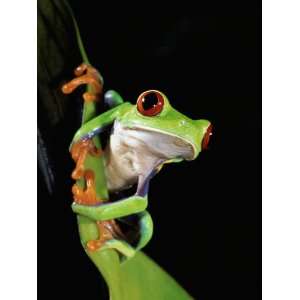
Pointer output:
x,y
111,237
86,74
94,245
108,230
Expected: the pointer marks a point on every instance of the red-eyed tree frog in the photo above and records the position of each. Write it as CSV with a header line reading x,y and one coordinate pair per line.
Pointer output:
x,y
143,137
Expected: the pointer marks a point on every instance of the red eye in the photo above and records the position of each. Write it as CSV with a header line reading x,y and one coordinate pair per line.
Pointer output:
x,y
150,103
206,138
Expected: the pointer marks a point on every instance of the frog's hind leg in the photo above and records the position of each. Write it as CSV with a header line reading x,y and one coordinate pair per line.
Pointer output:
x,y
115,240
145,233
146,229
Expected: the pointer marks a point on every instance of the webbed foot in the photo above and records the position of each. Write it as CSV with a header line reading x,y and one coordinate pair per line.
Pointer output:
x,y
108,230
110,237
86,74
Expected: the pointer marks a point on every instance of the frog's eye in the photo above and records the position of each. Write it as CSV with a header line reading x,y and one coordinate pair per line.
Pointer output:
x,y
206,137
150,103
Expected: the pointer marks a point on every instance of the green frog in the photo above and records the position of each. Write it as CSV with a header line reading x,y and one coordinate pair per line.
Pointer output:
x,y
143,138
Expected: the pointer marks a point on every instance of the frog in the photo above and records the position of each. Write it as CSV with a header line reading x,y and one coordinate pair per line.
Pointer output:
x,y
142,138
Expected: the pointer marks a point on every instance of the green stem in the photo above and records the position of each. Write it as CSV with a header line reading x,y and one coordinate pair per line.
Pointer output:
x,y
107,261
78,36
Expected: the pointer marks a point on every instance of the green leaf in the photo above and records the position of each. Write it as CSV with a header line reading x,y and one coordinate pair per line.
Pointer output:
x,y
138,278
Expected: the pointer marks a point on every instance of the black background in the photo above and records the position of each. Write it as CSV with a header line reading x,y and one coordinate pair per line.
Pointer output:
x,y
206,213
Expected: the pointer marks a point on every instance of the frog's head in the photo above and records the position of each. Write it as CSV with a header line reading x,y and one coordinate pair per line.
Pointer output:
x,y
146,136
173,134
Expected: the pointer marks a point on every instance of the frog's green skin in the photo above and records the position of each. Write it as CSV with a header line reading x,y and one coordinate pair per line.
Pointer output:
x,y
152,141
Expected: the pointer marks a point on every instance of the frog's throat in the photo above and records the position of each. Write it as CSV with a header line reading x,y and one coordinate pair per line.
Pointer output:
x,y
178,139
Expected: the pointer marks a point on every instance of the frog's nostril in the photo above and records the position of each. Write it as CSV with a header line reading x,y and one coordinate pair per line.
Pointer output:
x,y
182,123
206,137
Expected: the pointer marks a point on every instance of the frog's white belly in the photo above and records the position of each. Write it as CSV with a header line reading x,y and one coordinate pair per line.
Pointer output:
x,y
131,153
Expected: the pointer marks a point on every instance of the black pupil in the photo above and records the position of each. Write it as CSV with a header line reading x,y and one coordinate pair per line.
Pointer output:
x,y
149,101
